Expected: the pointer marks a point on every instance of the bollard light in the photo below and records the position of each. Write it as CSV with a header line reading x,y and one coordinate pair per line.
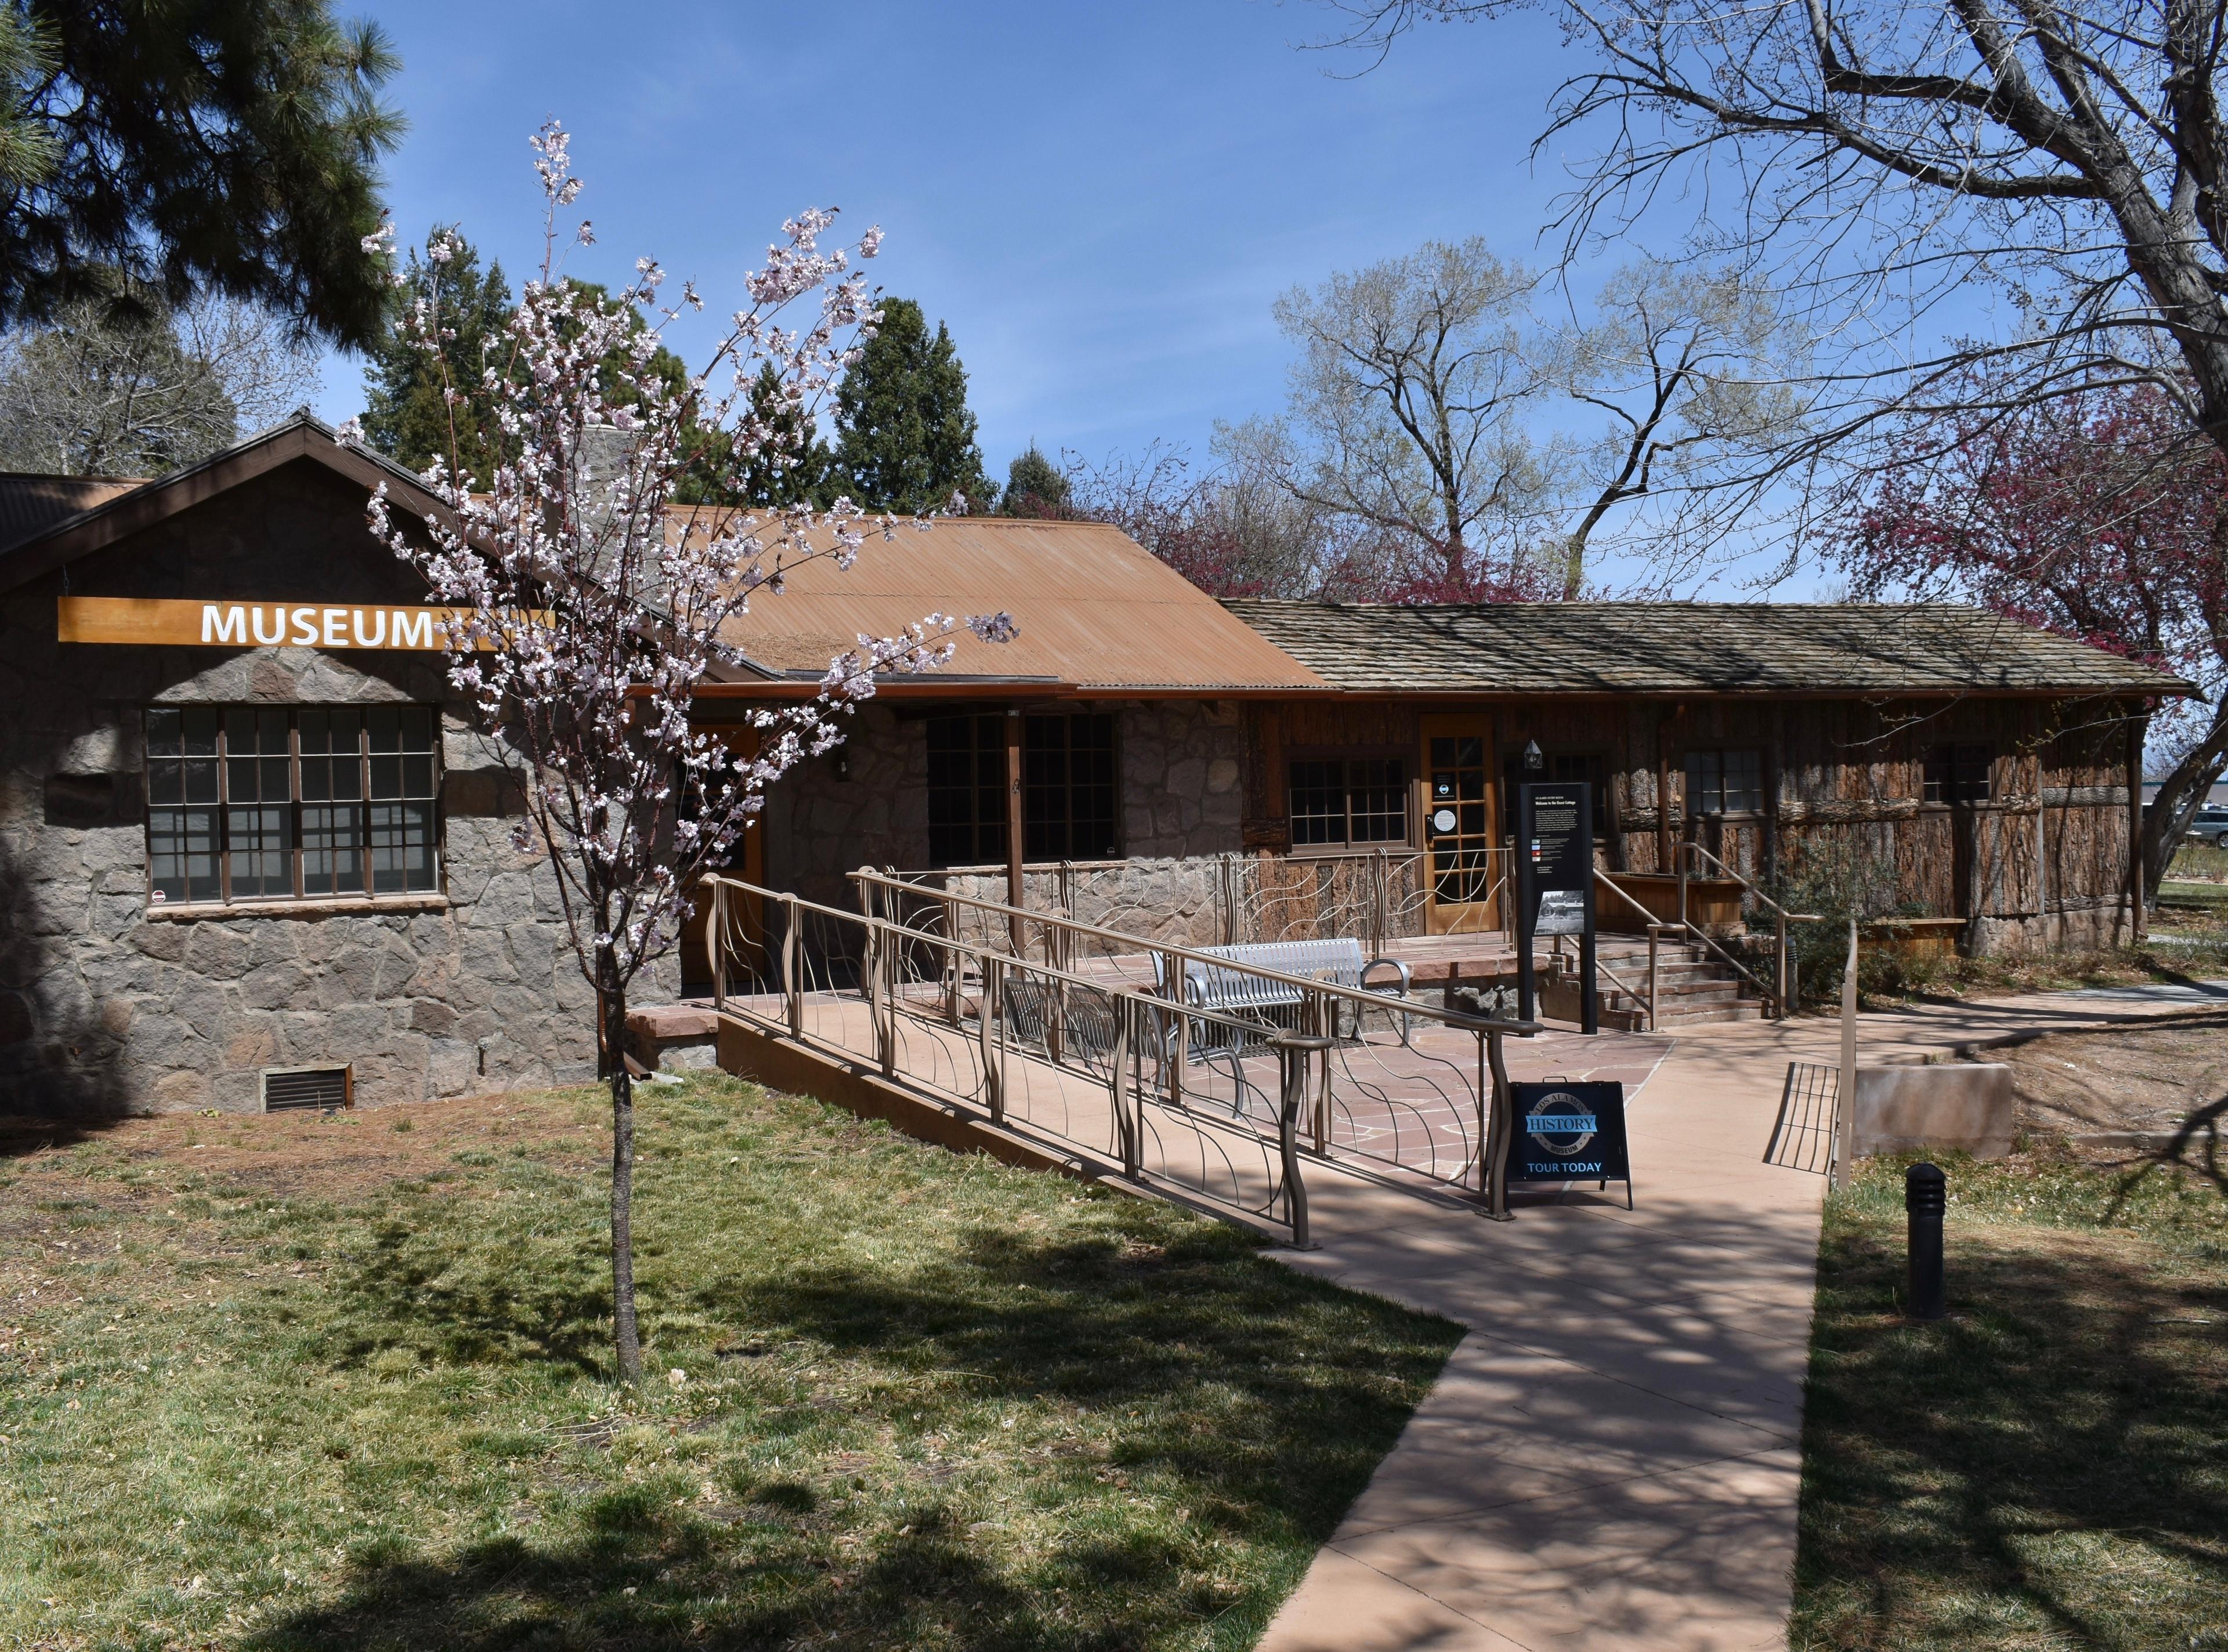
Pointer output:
x,y
1925,1197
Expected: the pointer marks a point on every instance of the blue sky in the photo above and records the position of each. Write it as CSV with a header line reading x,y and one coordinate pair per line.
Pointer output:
x,y
1101,200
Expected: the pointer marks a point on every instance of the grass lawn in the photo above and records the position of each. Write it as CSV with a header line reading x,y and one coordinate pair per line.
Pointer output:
x,y
2048,1467
285,1382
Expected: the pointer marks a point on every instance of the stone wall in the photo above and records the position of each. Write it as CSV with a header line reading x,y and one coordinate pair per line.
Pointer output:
x,y
107,1004
1181,796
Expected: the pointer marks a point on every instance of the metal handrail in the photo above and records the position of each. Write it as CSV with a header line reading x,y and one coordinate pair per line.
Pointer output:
x,y
1139,945
1690,845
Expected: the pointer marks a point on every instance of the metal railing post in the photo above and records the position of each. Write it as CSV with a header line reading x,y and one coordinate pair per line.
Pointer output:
x,y
1325,1017
1493,1157
1293,1050
791,984
1655,977
887,960
1679,852
989,1039
1779,967
1124,1103
719,946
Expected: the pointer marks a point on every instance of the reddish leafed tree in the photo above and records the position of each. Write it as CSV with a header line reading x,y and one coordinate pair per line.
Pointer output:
x,y
2098,516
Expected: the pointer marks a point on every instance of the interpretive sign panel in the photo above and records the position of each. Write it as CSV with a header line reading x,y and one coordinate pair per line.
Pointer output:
x,y
1555,883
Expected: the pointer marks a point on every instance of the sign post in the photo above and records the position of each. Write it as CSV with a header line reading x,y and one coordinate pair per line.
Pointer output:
x,y
1555,886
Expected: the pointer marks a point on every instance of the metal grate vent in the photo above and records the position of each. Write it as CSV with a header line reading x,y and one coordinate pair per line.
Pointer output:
x,y
288,1088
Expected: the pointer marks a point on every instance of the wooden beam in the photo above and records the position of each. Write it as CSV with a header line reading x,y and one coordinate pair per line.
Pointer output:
x,y
1014,844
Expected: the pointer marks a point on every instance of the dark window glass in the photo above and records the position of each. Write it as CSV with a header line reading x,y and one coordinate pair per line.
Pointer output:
x,y
966,790
1957,774
262,802
1351,800
1725,782
1562,766
334,818
1068,790
182,785
401,739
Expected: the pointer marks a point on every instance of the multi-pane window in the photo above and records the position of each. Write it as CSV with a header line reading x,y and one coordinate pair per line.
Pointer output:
x,y
1957,774
966,790
1725,782
260,803
1068,789
1348,800
1070,796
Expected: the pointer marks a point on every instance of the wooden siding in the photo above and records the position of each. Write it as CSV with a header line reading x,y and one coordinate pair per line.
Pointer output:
x,y
1843,782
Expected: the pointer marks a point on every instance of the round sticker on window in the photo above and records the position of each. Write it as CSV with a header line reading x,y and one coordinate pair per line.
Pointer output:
x,y
1442,819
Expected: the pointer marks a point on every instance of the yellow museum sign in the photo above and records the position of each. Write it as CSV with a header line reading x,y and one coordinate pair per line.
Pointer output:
x,y
162,622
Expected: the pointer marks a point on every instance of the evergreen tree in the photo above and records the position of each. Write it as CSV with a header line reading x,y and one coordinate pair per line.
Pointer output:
x,y
405,416
905,439
803,476
198,146
1034,487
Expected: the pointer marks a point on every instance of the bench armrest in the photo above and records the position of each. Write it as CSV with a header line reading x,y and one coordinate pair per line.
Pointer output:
x,y
1406,982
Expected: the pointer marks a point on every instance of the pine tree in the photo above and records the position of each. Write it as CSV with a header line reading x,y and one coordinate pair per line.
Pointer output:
x,y
803,476
404,415
1035,486
905,439
200,146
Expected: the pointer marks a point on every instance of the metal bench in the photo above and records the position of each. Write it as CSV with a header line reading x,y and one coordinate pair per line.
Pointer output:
x,y
1240,991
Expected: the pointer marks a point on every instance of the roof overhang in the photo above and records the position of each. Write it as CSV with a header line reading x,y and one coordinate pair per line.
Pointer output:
x,y
302,436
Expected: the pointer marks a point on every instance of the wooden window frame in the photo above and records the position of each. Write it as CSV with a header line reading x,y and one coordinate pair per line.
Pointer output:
x,y
296,893
1345,755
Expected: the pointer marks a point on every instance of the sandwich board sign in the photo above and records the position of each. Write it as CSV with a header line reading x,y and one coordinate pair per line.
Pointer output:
x,y
1570,1131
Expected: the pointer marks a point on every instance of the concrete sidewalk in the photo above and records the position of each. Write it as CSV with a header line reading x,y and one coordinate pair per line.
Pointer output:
x,y
1611,1458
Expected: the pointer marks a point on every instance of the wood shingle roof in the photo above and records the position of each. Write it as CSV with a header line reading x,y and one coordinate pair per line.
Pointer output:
x,y
1687,648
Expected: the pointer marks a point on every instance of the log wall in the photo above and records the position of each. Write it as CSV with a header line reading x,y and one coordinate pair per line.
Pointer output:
x,y
2042,862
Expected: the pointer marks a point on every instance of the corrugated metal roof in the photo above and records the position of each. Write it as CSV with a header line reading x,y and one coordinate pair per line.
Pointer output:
x,y
1092,609
1678,647
31,504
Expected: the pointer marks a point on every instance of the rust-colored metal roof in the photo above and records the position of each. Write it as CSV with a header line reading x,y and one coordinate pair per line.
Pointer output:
x,y
1094,612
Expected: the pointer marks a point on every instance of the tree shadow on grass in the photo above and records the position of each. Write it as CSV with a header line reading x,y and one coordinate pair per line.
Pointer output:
x,y
1257,1400
2041,1465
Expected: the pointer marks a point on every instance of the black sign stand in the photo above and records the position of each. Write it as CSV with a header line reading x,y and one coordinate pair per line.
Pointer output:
x,y
1555,857
1570,1132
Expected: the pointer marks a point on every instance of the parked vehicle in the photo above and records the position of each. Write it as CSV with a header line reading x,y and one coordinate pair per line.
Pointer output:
x,y
2210,825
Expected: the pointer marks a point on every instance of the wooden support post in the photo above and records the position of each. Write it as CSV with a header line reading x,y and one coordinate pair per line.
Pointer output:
x,y
2136,881
1663,790
1014,844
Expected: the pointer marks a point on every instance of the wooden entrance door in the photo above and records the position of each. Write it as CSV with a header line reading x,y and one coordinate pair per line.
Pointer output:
x,y
1461,823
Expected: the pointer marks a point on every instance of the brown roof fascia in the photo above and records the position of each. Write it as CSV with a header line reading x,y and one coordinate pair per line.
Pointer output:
x,y
299,437
935,685
1673,696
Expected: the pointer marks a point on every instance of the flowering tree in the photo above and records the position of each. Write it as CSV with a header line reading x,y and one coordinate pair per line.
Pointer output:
x,y
2099,516
591,607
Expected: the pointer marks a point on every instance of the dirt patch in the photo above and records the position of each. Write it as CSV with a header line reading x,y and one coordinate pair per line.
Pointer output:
x,y
2124,1080
340,1156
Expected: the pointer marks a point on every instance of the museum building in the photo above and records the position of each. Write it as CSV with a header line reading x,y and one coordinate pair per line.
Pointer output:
x,y
254,852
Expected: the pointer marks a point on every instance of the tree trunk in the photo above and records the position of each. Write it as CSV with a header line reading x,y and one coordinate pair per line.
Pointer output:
x,y
625,1335
2179,796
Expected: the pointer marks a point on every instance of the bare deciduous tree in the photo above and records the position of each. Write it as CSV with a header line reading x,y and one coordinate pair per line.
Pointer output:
x,y
1690,367
95,393
1879,160
1407,400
